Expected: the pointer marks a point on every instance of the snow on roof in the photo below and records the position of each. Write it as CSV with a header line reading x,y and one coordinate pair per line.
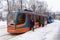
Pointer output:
x,y
32,13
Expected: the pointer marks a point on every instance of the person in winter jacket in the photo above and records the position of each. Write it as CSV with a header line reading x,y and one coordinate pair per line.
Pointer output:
x,y
32,25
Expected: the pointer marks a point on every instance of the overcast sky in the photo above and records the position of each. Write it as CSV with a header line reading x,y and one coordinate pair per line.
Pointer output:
x,y
54,5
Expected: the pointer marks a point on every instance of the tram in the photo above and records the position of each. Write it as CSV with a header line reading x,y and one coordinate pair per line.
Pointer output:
x,y
19,22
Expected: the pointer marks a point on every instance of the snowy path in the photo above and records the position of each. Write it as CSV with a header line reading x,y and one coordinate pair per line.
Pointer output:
x,y
3,24
4,35
3,29
49,32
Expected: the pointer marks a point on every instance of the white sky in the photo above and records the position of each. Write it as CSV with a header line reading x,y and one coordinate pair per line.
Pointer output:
x,y
54,5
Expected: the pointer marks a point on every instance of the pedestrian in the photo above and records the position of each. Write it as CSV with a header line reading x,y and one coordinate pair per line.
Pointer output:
x,y
32,25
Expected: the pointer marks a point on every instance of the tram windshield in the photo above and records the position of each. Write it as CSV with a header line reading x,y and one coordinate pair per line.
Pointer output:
x,y
11,18
20,18
13,6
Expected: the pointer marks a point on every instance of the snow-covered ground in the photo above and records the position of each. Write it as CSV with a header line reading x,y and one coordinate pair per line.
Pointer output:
x,y
48,32
3,29
4,35
3,24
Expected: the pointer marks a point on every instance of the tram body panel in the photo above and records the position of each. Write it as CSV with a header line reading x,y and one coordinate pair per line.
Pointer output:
x,y
22,22
17,31
19,28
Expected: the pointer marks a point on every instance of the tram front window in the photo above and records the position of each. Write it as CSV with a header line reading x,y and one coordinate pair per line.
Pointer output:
x,y
11,19
21,18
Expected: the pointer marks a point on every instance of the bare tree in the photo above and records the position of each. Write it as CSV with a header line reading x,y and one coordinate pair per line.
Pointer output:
x,y
39,7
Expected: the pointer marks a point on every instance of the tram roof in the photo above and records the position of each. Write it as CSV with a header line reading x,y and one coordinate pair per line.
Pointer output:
x,y
34,13
28,12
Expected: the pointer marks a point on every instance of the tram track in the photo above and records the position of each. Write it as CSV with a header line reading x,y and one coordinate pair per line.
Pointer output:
x,y
7,36
4,35
3,32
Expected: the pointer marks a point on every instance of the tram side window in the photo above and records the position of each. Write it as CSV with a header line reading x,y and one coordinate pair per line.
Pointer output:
x,y
21,18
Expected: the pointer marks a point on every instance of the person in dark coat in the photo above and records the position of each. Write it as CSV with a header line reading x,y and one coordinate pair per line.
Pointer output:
x,y
32,25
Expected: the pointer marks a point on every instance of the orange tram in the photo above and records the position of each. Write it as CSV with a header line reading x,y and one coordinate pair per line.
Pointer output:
x,y
19,22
